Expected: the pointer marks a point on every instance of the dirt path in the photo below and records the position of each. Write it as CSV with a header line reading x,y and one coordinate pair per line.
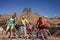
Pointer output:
x,y
52,38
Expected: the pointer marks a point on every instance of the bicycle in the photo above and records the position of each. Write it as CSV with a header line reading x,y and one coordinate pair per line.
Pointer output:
x,y
45,34
15,33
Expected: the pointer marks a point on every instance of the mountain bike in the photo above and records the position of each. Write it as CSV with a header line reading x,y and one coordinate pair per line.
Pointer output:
x,y
45,34
14,32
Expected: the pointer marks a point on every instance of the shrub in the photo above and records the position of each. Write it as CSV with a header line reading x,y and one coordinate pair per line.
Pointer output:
x,y
52,29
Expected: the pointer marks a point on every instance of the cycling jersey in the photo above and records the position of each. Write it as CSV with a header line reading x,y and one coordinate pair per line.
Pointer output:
x,y
24,22
40,22
10,23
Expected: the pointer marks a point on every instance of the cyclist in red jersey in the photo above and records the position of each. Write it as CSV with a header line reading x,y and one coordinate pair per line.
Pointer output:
x,y
40,25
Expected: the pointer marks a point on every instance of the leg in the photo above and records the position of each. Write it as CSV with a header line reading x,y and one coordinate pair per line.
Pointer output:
x,y
12,27
22,29
37,34
25,31
7,29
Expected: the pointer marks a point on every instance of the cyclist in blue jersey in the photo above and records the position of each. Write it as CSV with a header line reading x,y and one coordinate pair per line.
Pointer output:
x,y
10,24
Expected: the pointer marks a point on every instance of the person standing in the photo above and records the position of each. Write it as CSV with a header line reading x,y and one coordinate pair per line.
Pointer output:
x,y
40,25
10,24
24,22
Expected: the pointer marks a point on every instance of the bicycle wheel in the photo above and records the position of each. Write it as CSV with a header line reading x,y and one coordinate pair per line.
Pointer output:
x,y
15,33
47,35
33,36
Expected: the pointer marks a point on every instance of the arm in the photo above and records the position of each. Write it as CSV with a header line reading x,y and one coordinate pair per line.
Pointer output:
x,y
27,21
37,23
7,23
21,21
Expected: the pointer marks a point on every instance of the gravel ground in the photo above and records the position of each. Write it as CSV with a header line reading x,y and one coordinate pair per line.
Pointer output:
x,y
52,38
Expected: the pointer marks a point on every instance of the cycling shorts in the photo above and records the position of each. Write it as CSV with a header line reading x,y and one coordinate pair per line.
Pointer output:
x,y
40,27
10,27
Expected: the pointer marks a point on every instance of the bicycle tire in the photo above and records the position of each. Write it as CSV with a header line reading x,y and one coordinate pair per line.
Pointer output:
x,y
48,35
15,33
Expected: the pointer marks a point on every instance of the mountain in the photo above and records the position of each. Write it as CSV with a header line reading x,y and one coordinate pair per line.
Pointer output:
x,y
31,16
58,17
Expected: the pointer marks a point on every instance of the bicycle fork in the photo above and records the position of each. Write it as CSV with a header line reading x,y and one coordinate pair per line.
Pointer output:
x,y
42,36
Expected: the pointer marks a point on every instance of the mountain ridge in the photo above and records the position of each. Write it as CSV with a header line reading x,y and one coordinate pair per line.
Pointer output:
x,y
31,16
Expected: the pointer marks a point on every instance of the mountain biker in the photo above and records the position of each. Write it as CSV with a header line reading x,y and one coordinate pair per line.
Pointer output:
x,y
10,24
40,25
24,21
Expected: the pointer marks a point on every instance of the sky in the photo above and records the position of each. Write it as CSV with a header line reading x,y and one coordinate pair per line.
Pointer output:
x,y
49,8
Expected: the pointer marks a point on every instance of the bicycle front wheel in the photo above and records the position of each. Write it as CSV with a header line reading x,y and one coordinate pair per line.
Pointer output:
x,y
47,35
